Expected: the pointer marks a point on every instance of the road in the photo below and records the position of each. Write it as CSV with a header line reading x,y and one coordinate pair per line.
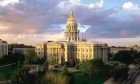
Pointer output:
x,y
132,76
137,80
7,65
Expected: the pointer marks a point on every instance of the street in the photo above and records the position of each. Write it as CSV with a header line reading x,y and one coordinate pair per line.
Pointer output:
x,y
137,80
132,77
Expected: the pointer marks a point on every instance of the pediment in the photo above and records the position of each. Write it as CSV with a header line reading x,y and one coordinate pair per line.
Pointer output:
x,y
54,44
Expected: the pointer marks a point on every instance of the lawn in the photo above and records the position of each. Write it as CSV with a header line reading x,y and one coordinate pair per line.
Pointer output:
x,y
84,79
7,71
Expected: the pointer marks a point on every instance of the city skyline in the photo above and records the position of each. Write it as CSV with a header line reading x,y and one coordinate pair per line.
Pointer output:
x,y
32,21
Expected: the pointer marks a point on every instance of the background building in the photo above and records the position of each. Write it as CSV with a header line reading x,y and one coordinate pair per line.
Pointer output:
x,y
3,48
136,47
21,49
41,49
114,50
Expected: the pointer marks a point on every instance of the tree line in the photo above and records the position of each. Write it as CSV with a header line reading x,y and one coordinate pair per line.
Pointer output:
x,y
127,57
11,58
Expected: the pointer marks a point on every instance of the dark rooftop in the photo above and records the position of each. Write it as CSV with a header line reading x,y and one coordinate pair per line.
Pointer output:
x,y
20,46
4,42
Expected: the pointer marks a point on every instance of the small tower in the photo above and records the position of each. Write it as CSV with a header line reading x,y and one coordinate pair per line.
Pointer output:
x,y
71,32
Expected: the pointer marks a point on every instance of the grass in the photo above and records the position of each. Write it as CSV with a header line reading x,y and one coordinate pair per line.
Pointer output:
x,y
8,71
80,78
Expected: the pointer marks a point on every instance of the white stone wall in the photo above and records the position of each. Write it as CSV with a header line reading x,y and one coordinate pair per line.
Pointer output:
x,y
80,51
41,49
3,48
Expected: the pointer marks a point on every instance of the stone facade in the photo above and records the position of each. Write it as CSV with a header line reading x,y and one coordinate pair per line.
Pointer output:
x,y
136,47
21,49
3,48
60,52
41,49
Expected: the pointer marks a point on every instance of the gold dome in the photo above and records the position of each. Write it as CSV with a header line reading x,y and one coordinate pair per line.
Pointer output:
x,y
71,32
71,19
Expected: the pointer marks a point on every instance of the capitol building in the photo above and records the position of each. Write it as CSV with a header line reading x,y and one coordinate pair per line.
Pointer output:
x,y
72,47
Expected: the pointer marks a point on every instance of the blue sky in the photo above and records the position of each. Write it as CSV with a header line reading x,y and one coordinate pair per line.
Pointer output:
x,y
116,22
111,3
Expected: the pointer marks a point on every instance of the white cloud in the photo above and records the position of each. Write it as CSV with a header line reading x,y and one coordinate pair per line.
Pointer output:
x,y
130,5
98,4
6,2
124,32
71,3
119,41
64,3
3,27
30,39
20,37
74,1
83,28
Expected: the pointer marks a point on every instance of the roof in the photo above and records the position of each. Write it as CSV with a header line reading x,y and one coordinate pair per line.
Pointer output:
x,y
44,43
20,46
81,42
119,47
4,42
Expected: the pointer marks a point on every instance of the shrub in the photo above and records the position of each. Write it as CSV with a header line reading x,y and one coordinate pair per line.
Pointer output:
x,y
53,78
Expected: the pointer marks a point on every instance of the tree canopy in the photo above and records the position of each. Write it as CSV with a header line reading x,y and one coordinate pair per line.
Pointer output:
x,y
120,70
90,67
127,57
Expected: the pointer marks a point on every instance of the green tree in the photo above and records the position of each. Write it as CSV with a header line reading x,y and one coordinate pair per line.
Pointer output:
x,y
137,58
120,70
92,67
65,70
24,77
11,58
32,58
71,62
89,68
45,66
19,64
2,77
124,57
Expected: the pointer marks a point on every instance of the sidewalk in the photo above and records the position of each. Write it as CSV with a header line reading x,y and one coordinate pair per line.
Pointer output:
x,y
110,81
137,80
7,65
